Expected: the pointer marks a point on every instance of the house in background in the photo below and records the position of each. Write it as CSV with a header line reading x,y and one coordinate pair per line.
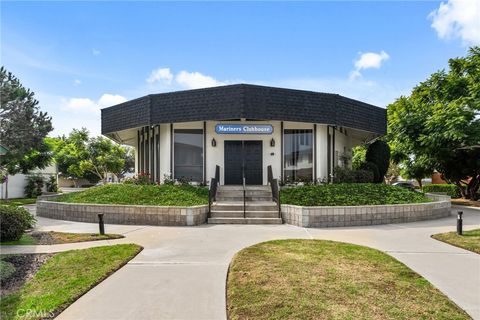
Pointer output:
x,y
242,129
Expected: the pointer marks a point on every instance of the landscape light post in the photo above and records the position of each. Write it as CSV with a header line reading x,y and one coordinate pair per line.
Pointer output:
x,y
459,223
101,225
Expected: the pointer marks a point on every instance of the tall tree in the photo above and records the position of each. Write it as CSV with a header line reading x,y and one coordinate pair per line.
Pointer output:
x,y
23,128
439,124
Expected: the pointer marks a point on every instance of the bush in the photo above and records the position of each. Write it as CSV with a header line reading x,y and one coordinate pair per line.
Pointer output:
x,y
52,184
379,154
450,189
346,175
14,222
349,194
34,186
157,195
372,167
142,179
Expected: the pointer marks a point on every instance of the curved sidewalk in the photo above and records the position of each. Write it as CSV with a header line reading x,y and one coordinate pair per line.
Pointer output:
x,y
181,272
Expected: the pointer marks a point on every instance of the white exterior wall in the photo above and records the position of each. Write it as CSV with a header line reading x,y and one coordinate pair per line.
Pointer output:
x,y
215,155
271,155
17,183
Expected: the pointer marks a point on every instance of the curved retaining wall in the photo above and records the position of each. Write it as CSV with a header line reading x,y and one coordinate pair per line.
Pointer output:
x,y
122,214
345,216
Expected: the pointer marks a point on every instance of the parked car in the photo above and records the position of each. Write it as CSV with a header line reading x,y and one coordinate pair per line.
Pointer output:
x,y
404,184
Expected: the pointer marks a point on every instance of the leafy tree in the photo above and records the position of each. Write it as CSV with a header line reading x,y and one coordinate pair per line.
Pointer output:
x,y
129,166
103,157
393,172
358,157
440,122
378,153
80,156
23,128
416,169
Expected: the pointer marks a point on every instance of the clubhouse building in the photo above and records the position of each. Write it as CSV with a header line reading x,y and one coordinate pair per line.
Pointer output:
x,y
242,129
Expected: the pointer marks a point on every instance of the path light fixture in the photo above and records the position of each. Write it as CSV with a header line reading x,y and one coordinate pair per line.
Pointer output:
x,y
214,142
459,223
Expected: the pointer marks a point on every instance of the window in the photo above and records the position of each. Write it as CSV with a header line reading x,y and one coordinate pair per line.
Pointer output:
x,y
188,154
298,155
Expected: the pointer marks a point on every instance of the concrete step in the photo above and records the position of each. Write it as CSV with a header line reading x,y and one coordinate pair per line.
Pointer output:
x,y
252,206
239,214
240,187
240,198
245,221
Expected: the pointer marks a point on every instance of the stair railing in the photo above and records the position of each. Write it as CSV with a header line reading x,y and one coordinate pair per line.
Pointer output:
x,y
244,196
212,191
275,190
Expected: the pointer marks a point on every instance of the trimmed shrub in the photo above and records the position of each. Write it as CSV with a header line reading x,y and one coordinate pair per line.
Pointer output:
x,y
346,175
52,184
14,221
378,153
450,189
372,167
34,186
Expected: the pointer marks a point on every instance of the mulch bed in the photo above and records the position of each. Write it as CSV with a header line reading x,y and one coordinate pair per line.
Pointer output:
x,y
43,237
26,265
466,202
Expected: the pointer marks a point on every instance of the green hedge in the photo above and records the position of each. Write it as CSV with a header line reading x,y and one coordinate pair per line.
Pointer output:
x,y
14,221
349,194
156,195
450,189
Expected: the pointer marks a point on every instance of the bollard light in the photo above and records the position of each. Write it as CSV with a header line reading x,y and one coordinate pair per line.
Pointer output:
x,y
459,223
101,225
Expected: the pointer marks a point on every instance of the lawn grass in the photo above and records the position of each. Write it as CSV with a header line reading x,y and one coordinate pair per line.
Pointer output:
x,y
26,239
349,194
163,195
18,201
64,278
316,279
470,240
54,237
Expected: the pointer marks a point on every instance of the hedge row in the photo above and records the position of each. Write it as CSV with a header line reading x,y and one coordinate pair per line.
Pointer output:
x,y
450,189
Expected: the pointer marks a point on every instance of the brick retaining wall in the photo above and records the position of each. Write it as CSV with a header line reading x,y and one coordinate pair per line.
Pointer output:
x,y
122,214
344,216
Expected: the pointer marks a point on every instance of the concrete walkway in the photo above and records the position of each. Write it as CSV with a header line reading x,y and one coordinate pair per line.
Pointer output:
x,y
182,270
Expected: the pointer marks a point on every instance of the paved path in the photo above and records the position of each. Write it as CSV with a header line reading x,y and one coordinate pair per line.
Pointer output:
x,y
182,270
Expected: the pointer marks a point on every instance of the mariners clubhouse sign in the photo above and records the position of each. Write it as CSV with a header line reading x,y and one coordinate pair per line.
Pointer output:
x,y
244,129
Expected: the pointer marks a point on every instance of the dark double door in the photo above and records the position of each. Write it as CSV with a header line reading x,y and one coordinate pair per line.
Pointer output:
x,y
243,158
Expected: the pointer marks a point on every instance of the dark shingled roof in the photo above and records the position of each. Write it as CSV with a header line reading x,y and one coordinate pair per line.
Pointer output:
x,y
244,101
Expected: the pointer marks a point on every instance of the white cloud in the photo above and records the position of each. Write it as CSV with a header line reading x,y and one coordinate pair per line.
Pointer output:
x,y
77,82
161,74
458,19
95,52
79,105
163,79
195,80
368,60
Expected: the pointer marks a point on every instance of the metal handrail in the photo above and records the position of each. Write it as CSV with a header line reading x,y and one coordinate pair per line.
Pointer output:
x,y
275,189
244,202
212,192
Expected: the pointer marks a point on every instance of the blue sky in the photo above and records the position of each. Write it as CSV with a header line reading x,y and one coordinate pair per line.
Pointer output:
x,y
81,56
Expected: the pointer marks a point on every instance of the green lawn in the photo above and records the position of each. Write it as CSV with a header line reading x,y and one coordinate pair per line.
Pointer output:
x,y
163,195
64,278
61,237
316,279
18,201
349,194
470,240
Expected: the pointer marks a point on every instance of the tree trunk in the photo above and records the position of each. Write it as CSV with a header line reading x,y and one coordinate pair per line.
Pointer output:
x,y
473,187
463,190
6,188
420,183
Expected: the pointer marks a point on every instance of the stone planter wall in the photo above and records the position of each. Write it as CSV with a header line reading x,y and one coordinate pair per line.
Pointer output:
x,y
344,216
122,214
